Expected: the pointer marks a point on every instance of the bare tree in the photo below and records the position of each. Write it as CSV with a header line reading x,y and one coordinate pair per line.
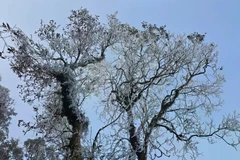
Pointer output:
x,y
55,73
162,90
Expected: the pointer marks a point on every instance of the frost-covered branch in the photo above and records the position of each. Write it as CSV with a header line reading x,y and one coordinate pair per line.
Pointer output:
x,y
61,62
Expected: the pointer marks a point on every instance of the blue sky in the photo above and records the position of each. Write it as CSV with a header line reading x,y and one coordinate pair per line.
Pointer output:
x,y
219,18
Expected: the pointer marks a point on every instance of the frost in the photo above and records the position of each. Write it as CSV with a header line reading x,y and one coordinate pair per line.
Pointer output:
x,y
154,83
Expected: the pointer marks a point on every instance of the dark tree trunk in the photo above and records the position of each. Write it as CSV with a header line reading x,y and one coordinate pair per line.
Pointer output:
x,y
134,139
75,120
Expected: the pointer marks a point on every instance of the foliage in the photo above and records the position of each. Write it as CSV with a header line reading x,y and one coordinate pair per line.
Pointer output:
x,y
6,112
36,149
8,148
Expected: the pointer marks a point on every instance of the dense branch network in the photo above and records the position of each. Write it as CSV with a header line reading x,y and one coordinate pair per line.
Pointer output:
x,y
159,89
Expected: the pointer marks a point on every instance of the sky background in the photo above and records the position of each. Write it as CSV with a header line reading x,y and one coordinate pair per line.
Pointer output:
x,y
219,18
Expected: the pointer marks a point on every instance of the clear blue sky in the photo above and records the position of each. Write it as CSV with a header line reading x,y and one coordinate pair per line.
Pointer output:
x,y
219,18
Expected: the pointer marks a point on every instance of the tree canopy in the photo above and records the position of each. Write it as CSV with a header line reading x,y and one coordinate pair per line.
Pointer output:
x,y
156,90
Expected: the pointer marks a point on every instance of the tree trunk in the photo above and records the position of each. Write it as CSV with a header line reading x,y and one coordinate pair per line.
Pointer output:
x,y
134,140
70,111
75,142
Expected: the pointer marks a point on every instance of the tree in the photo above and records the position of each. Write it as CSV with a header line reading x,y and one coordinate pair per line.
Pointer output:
x,y
13,150
161,89
167,86
56,74
37,149
8,148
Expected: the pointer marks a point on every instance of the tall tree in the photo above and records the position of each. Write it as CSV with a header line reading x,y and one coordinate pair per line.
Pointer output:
x,y
162,90
54,72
